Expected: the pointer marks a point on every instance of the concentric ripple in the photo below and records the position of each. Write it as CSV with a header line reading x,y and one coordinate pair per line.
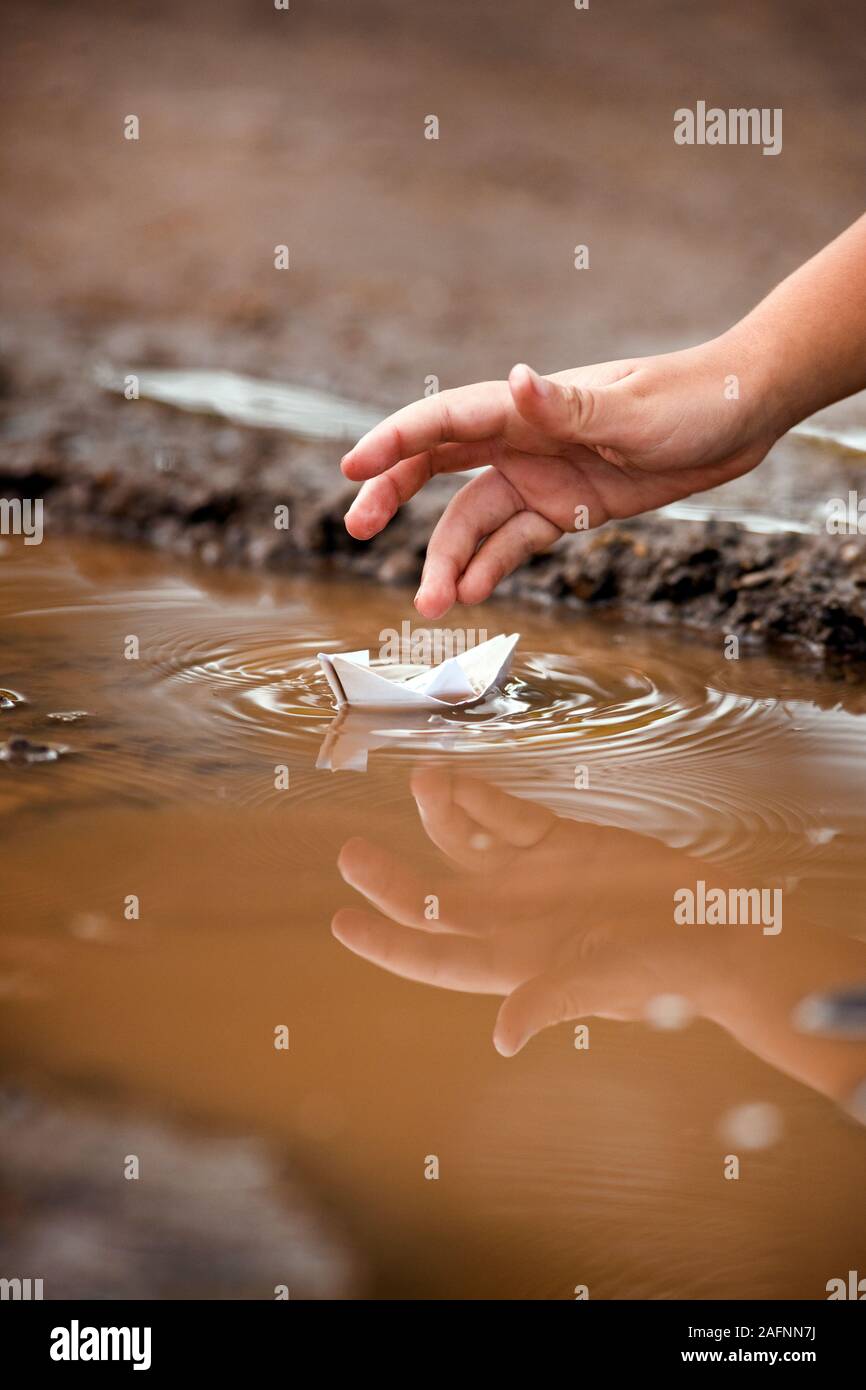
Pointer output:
x,y
598,722
660,749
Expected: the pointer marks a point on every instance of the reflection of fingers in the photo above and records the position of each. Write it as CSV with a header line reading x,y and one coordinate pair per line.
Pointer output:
x,y
451,962
399,893
540,1003
519,821
381,497
521,536
465,415
448,825
481,506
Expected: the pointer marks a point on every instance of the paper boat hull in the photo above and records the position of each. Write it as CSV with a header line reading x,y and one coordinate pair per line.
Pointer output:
x,y
460,681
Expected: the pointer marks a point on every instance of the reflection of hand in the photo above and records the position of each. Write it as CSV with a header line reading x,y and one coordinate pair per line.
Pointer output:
x,y
541,911
568,920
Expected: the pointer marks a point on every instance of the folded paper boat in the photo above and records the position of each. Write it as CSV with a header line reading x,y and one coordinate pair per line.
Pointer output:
x,y
461,680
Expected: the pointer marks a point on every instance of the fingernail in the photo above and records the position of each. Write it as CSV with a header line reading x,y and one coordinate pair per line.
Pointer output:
x,y
540,384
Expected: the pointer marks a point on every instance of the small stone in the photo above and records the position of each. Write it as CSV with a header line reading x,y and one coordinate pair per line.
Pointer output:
x,y
756,580
22,750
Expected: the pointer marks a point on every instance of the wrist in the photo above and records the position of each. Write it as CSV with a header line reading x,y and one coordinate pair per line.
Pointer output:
x,y
766,381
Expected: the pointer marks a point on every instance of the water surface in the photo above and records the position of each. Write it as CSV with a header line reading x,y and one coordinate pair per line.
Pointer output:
x,y
379,884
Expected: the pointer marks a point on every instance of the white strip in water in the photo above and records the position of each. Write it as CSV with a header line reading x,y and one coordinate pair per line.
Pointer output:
x,y
248,400
760,522
311,414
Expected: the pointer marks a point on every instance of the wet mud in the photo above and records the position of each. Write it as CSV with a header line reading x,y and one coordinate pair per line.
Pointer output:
x,y
197,486
410,258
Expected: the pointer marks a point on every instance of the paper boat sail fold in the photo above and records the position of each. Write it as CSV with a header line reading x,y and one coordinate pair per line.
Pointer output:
x,y
461,680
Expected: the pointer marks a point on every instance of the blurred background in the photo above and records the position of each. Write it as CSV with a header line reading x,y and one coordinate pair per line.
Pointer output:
x,y
411,256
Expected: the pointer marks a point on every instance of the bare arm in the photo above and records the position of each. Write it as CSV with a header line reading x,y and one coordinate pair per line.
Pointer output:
x,y
576,448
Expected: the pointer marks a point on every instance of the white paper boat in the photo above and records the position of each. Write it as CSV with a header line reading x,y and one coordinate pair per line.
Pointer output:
x,y
461,680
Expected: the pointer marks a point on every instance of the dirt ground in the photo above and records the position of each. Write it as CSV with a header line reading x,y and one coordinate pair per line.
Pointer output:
x,y
408,257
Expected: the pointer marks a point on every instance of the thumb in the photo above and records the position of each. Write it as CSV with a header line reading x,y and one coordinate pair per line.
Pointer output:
x,y
546,1000
587,414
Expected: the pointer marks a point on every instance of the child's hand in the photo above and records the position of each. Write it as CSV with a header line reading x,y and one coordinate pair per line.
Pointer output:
x,y
560,453
572,450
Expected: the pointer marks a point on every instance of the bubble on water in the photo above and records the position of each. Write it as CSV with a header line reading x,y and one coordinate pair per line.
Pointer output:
x,y
481,842
821,835
10,698
90,926
68,716
756,1125
668,1011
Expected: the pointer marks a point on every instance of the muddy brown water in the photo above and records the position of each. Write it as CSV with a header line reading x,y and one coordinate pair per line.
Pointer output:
x,y
413,874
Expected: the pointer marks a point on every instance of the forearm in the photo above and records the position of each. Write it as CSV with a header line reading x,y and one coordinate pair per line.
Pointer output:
x,y
757,985
807,339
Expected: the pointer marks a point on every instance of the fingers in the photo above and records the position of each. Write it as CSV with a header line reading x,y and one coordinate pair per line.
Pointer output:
x,y
587,414
451,962
380,498
522,535
399,893
521,822
540,1003
451,828
481,506
455,810
465,415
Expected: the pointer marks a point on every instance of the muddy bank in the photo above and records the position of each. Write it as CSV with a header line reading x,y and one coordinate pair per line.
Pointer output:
x,y
114,1207
409,257
197,486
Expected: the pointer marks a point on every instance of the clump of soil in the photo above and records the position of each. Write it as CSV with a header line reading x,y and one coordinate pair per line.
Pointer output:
x,y
24,750
194,486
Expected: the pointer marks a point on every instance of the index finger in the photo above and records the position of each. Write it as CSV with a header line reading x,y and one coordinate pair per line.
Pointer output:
x,y
449,962
461,416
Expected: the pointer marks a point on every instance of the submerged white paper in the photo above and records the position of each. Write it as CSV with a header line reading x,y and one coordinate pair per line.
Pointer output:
x,y
461,680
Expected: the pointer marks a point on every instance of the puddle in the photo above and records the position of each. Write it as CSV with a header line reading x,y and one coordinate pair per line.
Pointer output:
x,y
171,883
